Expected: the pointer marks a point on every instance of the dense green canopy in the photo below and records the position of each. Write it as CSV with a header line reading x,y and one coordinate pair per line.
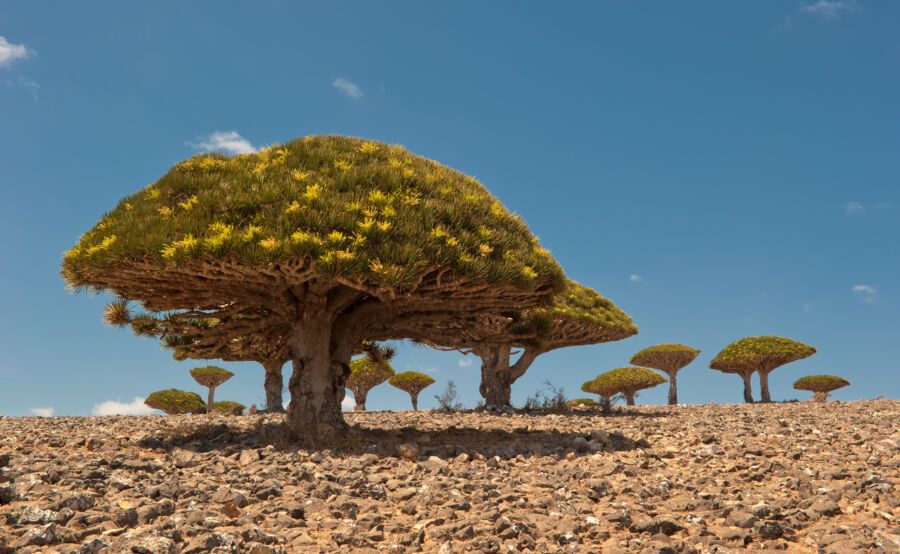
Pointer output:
x,y
175,401
760,354
211,376
665,357
360,209
820,383
368,372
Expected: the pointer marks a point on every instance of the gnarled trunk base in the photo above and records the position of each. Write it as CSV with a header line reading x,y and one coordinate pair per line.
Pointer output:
x,y
495,386
359,398
629,397
317,382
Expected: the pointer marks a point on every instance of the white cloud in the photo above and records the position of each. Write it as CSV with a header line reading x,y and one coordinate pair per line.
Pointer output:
x,y
808,307
230,142
635,278
348,88
854,208
866,293
465,362
30,86
114,407
347,404
43,412
827,8
10,52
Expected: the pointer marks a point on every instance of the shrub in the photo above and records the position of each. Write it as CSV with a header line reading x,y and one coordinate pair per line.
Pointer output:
x,y
412,382
555,401
820,385
229,407
624,380
447,399
176,402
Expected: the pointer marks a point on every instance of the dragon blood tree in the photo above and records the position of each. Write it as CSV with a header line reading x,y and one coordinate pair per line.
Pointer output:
x,y
210,377
820,385
229,407
578,316
369,371
625,380
760,354
668,358
325,241
176,402
413,383
182,335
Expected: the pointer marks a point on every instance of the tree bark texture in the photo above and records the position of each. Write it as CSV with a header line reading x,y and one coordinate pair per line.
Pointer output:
x,y
748,394
274,383
764,386
415,401
497,375
629,397
318,378
673,388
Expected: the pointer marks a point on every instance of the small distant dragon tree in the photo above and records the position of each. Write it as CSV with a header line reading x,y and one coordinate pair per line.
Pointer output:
x,y
762,355
820,385
412,382
211,377
176,402
320,242
668,358
369,371
625,380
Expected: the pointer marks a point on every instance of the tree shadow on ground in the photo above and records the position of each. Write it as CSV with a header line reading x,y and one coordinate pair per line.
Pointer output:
x,y
226,439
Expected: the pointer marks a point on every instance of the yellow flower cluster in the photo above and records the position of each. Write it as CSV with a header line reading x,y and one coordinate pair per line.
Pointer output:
x,y
219,234
343,165
529,272
152,193
186,244
293,207
189,203
165,211
304,238
270,243
300,176
368,148
251,232
104,244
312,193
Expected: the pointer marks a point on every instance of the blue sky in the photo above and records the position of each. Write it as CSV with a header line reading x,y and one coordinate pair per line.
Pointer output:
x,y
718,170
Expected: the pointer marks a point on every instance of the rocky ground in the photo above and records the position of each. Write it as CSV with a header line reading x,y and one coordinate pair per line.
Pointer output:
x,y
718,478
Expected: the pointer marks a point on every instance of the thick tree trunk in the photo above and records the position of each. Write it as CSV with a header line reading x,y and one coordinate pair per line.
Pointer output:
x,y
629,398
606,403
274,383
764,386
673,388
359,396
317,382
495,386
209,400
415,401
748,395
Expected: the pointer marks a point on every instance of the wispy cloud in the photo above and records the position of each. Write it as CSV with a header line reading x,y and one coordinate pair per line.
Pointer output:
x,y
866,293
808,306
465,362
230,142
635,278
10,52
43,412
114,407
30,86
348,88
347,404
854,208
828,9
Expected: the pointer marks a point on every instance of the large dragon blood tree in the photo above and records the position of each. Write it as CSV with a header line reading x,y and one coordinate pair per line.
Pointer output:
x,y
762,355
668,358
326,241
578,316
